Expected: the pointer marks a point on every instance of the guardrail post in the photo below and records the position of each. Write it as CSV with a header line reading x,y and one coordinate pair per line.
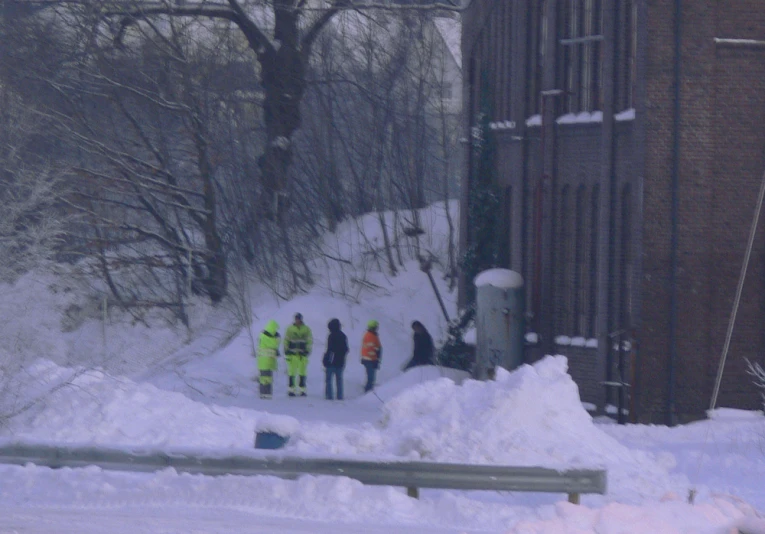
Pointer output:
x,y
573,498
413,492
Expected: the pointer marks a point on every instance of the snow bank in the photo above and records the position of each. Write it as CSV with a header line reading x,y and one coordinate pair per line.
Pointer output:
x,y
530,417
668,517
92,407
283,425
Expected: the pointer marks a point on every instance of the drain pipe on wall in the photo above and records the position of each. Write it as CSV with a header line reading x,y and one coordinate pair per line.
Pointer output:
x,y
671,415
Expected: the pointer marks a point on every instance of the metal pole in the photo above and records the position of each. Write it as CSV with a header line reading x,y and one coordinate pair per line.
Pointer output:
x,y
674,216
438,295
543,229
189,275
739,289
104,316
620,404
536,306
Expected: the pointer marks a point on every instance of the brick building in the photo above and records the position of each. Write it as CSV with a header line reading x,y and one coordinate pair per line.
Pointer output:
x,y
628,150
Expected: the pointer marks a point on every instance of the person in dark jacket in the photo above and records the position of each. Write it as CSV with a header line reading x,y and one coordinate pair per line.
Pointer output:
x,y
334,359
423,347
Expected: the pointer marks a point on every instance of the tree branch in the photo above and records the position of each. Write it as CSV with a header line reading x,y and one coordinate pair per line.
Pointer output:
x,y
258,40
452,5
312,33
233,12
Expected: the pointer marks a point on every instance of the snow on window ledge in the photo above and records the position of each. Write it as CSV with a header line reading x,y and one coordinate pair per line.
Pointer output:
x,y
626,115
584,117
534,120
613,410
577,341
590,407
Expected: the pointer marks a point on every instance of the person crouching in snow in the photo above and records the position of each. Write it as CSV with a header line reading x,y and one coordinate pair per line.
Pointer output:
x,y
268,352
371,353
334,359
423,347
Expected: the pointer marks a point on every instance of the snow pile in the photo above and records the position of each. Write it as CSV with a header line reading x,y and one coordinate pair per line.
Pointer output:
x,y
282,425
530,417
92,500
91,407
666,517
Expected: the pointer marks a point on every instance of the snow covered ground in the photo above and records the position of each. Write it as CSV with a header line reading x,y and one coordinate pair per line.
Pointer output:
x,y
129,386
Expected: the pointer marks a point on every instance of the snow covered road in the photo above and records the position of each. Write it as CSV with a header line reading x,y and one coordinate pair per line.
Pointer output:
x,y
173,519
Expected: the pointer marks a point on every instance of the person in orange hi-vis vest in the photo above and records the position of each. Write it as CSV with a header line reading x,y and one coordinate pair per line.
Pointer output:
x,y
371,353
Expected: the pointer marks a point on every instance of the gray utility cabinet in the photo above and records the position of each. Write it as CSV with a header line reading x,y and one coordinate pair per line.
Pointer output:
x,y
500,321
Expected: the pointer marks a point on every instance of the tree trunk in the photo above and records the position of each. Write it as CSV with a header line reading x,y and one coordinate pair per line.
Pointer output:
x,y
283,77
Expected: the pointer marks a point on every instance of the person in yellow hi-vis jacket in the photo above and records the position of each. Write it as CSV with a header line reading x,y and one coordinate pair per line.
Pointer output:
x,y
298,342
268,352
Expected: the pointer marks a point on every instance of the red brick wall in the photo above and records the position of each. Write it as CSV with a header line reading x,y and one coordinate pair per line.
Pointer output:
x,y
739,134
721,160
720,153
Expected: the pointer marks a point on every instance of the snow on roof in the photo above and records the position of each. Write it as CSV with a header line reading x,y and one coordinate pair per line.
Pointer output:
x,y
502,278
450,31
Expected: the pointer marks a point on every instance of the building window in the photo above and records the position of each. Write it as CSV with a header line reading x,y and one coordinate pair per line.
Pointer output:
x,y
581,54
628,53
535,38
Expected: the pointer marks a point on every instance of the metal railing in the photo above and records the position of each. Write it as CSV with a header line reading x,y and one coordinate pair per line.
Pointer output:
x,y
411,475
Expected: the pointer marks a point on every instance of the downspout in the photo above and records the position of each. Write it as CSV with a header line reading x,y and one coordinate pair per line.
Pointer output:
x,y
671,415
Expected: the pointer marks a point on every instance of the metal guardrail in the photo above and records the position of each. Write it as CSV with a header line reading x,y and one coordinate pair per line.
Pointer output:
x,y
411,475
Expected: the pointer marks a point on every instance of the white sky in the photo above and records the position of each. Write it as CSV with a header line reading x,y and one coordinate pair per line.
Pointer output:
x,y
160,388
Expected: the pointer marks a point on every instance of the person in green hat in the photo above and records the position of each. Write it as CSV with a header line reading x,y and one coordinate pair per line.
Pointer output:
x,y
268,352
371,353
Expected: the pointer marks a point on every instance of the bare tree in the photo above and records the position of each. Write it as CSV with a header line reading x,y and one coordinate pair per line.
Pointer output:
x,y
374,124
148,137
31,226
281,33
164,156
757,372
32,223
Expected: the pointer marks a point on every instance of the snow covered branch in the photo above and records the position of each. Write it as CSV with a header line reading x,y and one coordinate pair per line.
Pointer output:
x,y
758,374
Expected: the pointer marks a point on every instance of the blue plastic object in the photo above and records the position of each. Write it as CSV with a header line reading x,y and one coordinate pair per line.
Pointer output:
x,y
270,440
